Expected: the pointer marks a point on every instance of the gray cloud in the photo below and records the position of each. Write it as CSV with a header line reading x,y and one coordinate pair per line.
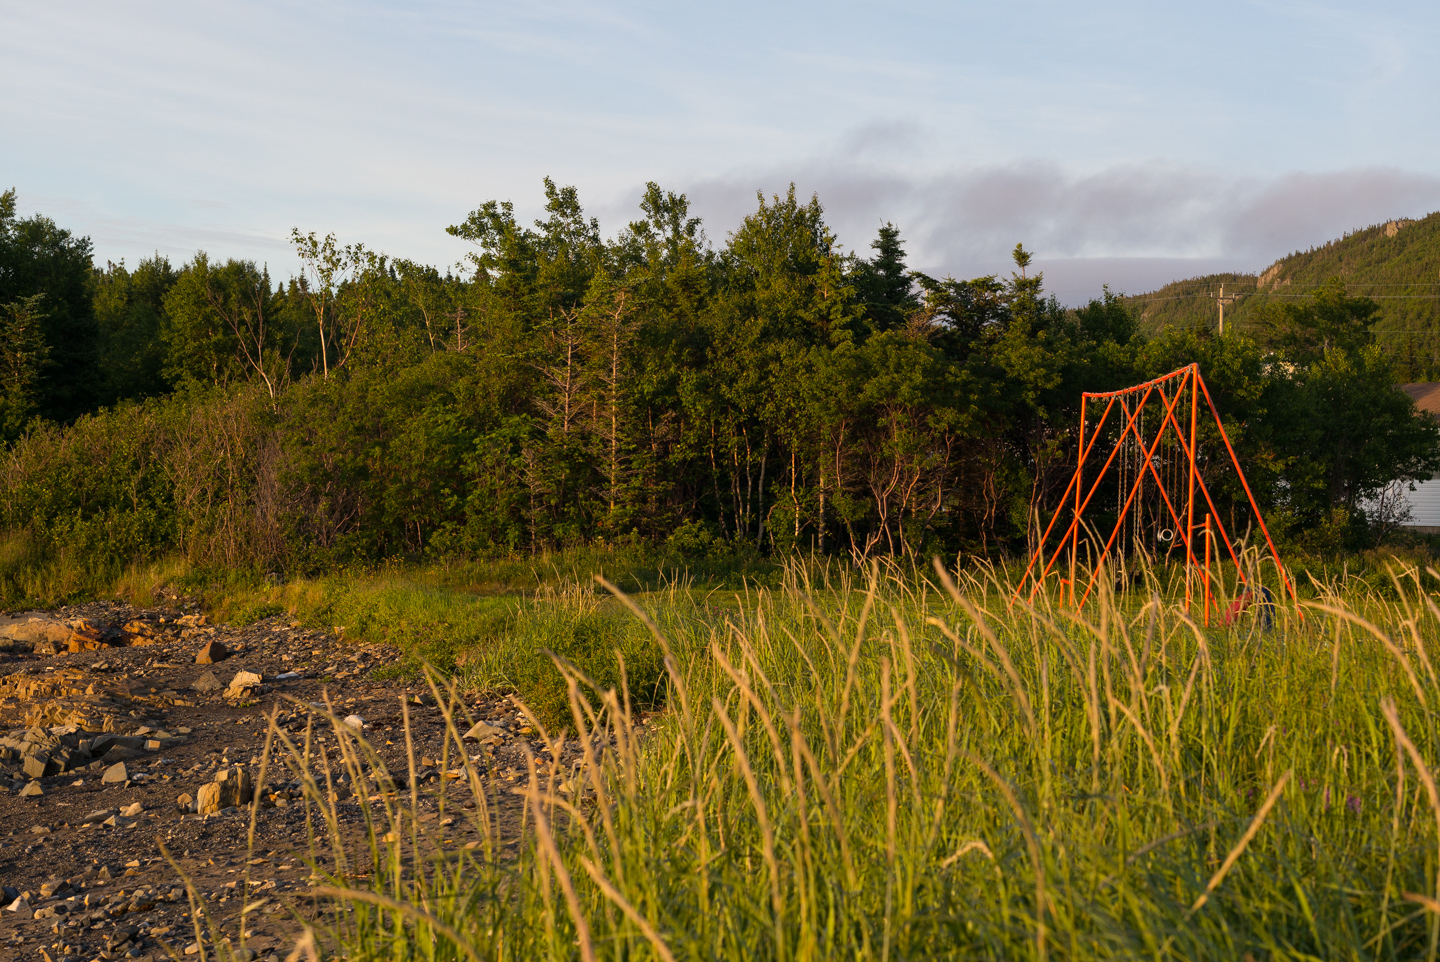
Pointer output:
x,y
1133,226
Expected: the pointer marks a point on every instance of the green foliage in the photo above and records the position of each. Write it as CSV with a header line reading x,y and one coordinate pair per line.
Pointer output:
x,y
39,258
23,358
130,312
767,397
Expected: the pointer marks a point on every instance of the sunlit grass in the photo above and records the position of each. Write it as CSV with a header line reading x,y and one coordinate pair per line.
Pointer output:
x,y
886,766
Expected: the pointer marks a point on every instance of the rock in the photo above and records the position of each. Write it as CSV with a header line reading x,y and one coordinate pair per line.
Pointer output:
x,y
482,731
190,621
21,908
99,815
213,653
131,810
355,722
54,887
185,802
206,682
288,676
109,741
86,637
243,682
40,765
31,790
116,774
40,830
231,787
33,627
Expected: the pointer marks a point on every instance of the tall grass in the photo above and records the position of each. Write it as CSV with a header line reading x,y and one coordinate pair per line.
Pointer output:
x,y
898,766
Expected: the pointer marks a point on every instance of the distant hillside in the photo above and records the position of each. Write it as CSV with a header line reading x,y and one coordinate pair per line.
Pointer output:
x,y
1396,263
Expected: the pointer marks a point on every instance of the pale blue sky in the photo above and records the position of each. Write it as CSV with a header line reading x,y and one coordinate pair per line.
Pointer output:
x,y
1123,141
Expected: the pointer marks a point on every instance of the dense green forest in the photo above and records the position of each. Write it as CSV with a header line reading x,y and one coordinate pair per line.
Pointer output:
x,y
769,394
1395,264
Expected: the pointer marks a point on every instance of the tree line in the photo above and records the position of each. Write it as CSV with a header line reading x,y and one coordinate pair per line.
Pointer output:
x,y
772,393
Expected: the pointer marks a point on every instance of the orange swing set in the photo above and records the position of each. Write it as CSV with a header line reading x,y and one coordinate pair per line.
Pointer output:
x,y
1172,392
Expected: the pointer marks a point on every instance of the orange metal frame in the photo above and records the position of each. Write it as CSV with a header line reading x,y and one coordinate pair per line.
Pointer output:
x,y
1167,392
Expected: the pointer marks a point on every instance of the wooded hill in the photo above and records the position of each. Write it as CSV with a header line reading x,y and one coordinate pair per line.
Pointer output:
x,y
1396,264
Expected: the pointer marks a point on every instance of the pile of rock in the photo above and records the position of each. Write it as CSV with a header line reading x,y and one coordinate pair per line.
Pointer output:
x,y
46,752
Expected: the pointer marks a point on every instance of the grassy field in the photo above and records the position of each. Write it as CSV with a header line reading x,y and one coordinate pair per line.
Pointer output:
x,y
893,765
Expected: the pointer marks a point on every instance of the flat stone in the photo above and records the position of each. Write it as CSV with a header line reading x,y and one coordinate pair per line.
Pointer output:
x,y
131,810
21,908
115,774
31,790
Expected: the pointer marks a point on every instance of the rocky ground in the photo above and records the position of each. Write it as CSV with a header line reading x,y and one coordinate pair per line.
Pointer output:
x,y
127,765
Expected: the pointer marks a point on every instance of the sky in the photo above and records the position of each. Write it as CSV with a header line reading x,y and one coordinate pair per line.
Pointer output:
x,y
1128,143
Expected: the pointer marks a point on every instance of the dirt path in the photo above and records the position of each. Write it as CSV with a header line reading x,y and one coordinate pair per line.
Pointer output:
x,y
83,851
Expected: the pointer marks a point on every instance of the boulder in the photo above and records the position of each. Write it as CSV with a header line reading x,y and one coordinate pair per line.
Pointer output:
x,y
107,743
41,765
483,732
231,787
54,887
206,682
212,653
245,685
32,628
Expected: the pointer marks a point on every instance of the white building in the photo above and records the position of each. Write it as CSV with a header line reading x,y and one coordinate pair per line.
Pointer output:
x,y
1424,501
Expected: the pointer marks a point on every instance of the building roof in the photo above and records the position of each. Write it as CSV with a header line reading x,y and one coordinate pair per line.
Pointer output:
x,y
1426,396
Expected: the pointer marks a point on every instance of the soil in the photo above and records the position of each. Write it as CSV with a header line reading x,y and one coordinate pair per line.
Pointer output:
x,y
122,886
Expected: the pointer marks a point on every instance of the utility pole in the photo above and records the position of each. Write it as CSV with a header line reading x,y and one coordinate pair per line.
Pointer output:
x,y
1222,300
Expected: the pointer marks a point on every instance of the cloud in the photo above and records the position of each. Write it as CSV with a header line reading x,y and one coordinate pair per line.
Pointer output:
x,y
1138,220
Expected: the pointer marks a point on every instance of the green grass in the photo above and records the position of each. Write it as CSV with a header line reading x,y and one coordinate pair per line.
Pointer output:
x,y
888,769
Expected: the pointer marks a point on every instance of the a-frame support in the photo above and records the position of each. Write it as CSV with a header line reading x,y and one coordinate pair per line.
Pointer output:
x,y
1177,390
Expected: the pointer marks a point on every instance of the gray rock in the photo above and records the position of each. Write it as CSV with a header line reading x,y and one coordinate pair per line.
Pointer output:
x,y
109,741
206,682
482,731
40,765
